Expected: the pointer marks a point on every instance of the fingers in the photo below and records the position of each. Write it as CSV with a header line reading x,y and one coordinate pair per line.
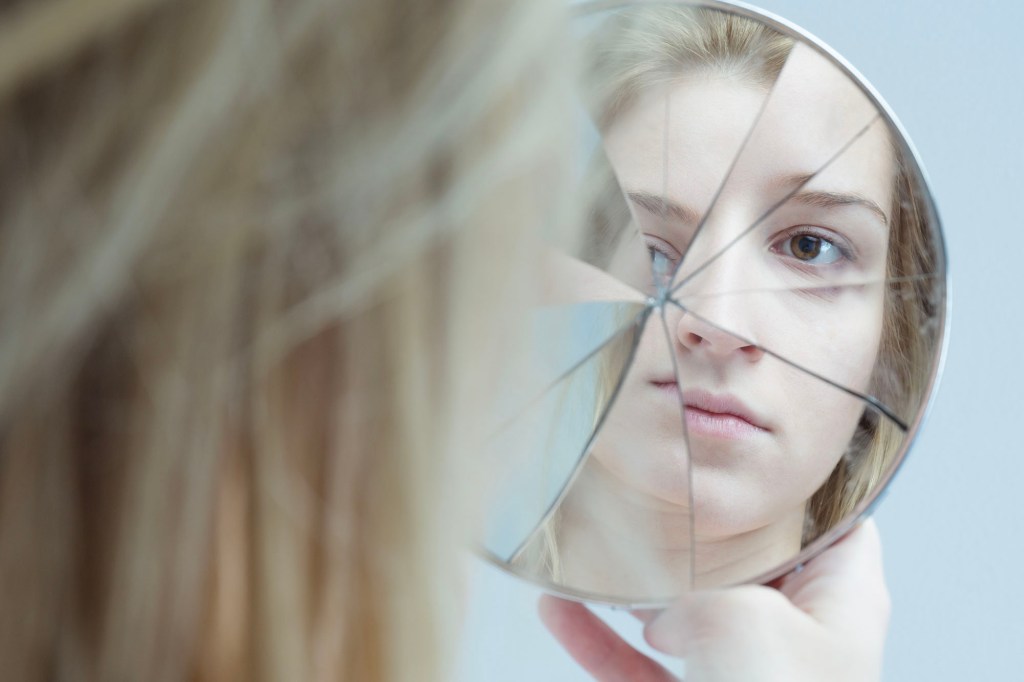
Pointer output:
x,y
596,647
826,622
833,615
701,622
844,586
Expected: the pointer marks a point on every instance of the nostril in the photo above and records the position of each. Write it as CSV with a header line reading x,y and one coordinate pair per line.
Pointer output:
x,y
694,339
752,352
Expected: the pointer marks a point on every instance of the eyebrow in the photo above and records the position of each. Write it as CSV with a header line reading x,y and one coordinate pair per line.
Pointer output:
x,y
823,199
838,199
664,208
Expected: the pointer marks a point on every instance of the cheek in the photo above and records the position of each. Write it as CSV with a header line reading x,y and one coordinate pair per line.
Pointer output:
x,y
835,339
817,421
856,340
814,438
842,349
641,440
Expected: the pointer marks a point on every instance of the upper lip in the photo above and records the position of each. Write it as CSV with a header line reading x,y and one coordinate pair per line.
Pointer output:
x,y
720,403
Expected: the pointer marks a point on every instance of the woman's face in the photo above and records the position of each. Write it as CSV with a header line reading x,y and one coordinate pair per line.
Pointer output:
x,y
803,281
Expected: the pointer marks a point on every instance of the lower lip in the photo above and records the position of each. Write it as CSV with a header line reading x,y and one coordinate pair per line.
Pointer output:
x,y
714,424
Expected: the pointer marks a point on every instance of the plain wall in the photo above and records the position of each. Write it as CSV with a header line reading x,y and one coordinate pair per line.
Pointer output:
x,y
952,523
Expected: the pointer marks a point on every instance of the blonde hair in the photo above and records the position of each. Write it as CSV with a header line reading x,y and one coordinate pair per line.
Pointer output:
x,y
645,47
248,290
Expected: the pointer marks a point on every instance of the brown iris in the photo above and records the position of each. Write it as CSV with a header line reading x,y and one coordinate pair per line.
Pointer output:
x,y
805,246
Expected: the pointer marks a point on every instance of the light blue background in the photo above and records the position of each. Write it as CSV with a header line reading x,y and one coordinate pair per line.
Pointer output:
x,y
953,522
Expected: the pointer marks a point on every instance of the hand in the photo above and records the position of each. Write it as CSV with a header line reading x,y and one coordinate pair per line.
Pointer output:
x,y
827,622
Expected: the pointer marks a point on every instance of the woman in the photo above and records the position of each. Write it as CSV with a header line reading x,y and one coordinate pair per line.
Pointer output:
x,y
239,263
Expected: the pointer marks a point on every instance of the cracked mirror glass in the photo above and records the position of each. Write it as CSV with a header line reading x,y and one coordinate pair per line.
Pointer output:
x,y
729,365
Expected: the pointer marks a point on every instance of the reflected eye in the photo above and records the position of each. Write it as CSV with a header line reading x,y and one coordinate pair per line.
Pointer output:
x,y
811,248
664,258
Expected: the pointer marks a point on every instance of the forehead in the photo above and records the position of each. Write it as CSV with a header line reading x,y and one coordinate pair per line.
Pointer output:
x,y
685,138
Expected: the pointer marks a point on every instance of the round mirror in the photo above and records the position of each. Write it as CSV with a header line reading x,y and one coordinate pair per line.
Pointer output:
x,y
728,366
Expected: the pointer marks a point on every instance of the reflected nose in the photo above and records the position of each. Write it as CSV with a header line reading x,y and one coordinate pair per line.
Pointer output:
x,y
701,336
721,323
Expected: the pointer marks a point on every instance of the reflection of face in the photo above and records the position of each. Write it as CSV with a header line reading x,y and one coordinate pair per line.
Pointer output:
x,y
763,435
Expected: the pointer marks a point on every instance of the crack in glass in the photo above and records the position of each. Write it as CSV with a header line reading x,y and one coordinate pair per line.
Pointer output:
x,y
867,399
630,325
568,423
888,281
728,173
776,206
686,440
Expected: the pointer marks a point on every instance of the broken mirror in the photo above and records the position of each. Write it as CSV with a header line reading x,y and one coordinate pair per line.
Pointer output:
x,y
729,365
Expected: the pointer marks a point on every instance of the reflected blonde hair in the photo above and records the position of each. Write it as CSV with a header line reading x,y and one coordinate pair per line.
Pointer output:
x,y
256,260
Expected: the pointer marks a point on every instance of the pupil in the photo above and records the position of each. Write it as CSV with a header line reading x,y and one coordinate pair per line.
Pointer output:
x,y
806,247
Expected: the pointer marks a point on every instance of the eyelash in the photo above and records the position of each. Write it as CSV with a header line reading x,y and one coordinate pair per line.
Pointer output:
x,y
655,251
656,246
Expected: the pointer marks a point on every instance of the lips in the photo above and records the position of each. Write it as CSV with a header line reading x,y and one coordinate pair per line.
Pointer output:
x,y
715,414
